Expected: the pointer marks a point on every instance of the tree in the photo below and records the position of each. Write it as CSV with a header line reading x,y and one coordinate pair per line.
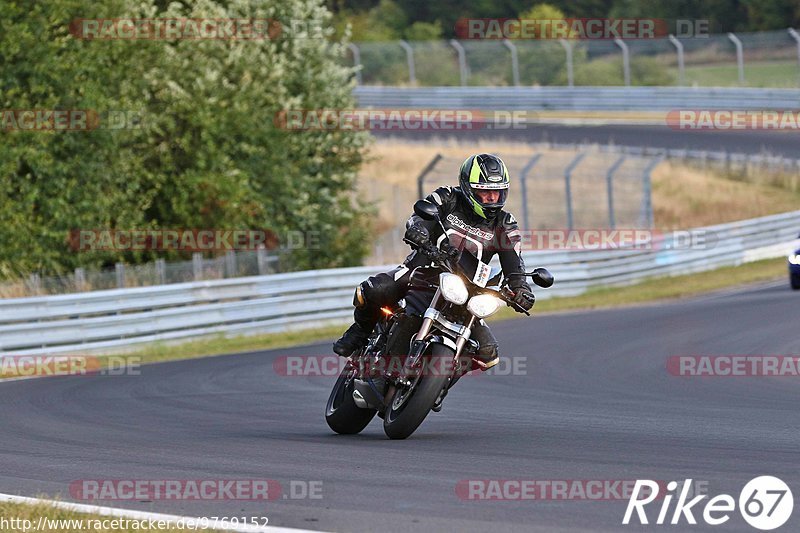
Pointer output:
x,y
210,154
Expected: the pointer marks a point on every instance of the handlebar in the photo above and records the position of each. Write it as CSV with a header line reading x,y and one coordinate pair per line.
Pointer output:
x,y
442,258
438,255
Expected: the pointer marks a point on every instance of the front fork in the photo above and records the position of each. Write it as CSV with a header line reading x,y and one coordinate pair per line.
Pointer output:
x,y
427,323
424,331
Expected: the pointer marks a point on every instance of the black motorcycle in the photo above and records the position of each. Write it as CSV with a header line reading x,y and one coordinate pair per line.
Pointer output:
x,y
421,346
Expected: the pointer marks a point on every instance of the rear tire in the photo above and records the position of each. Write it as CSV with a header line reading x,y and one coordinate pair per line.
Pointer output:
x,y
794,280
400,423
342,414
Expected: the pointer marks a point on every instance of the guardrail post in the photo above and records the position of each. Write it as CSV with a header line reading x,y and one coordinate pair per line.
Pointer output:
x,y
739,56
230,264
120,271
570,74
568,186
610,190
462,61
80,279
412,71
514,61
161,271
35,283
626,60
261,259
681,67
356,61
425,171
197,266
796,37
647,192
523,179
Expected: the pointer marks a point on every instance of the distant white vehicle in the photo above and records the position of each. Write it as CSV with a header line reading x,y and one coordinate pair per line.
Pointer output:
x,y
794,265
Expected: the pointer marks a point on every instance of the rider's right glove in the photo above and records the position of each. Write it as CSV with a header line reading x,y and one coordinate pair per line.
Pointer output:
x,y
449,250
524,298
417,234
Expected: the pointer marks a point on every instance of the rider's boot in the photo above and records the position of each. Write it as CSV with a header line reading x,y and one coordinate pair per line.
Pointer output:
x,y
353,339
357,334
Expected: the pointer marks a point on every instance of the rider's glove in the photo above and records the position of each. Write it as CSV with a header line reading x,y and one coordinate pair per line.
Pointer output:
x,y
417,234
449,250
524,298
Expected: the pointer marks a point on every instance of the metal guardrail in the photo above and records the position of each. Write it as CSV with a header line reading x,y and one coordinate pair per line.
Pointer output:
x,y
117,319
577,98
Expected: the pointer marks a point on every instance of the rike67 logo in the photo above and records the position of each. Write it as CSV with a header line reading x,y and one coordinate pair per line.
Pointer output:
x,y
765,503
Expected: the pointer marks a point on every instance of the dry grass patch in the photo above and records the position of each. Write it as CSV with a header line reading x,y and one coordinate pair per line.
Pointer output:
x,y
687,197
683,196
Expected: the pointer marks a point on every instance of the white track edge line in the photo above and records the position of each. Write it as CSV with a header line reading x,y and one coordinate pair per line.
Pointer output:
x,y
144,515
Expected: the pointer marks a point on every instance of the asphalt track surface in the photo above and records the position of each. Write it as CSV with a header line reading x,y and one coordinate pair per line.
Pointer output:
x,y
784,143
594,402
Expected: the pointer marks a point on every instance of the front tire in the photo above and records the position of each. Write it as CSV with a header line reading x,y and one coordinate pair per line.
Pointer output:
x,y
794,279
400,421
342,414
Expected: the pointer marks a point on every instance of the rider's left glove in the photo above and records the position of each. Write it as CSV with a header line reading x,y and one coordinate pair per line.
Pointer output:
x,y
417,234
524,298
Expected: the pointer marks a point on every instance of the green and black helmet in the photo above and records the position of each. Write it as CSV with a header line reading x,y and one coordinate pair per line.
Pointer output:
x,y
481,172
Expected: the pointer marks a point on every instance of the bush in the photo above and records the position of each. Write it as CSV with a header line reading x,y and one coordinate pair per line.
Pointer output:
x,y
210,154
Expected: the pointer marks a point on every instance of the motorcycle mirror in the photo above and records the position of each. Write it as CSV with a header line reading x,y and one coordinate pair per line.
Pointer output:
x,y
426,210
542,277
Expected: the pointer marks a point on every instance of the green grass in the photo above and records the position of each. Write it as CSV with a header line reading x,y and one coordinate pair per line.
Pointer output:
x,y
647,291
756,74
33,512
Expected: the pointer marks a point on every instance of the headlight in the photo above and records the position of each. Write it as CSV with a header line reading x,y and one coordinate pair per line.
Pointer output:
x,y
794,259
484,305
453,288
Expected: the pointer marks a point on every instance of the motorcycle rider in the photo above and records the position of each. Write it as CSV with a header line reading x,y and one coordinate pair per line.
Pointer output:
x,y
472,212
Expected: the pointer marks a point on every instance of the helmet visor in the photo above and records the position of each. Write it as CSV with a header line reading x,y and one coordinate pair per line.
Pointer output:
x,y
490,194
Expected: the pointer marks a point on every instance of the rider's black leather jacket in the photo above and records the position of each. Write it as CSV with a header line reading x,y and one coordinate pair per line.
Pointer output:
x,y
482,237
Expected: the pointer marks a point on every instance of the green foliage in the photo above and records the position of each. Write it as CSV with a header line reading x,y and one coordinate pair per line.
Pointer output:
x,y
209,155
723,15
771,14
542,12
424,31
609,72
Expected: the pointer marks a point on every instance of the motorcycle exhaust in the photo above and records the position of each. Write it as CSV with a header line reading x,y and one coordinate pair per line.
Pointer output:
x,y
367,397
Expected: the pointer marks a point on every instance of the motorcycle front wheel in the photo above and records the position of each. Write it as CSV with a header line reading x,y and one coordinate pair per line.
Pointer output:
x,y
409,407
342,414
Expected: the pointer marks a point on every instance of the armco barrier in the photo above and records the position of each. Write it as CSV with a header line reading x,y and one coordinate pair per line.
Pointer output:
x,y
117,319
577,98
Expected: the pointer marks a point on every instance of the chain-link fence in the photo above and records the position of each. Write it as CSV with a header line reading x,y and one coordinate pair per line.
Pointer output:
x,y
761,59
550,189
